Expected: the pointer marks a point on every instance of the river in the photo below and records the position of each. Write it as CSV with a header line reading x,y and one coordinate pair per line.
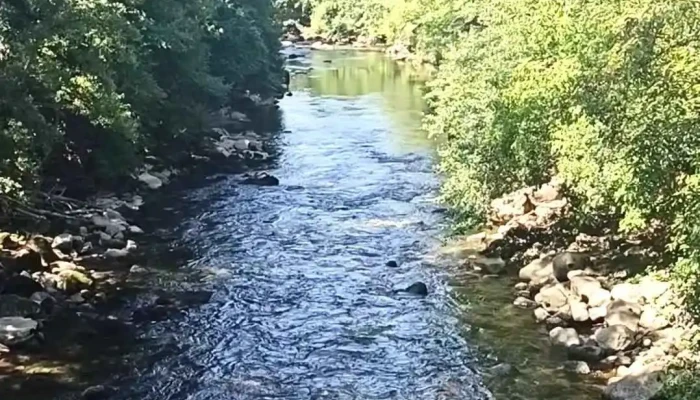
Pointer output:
x,y
304,304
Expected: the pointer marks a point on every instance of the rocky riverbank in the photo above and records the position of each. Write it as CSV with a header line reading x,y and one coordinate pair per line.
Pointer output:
x,y
65,283
591,293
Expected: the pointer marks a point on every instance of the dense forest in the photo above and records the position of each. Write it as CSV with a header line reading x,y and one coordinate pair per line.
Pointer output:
x,y
92,87
602,94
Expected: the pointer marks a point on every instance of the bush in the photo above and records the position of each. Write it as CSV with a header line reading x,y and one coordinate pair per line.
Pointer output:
x,y
89,87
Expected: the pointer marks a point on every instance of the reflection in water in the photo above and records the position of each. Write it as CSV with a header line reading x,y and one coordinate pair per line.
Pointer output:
x,y
395,88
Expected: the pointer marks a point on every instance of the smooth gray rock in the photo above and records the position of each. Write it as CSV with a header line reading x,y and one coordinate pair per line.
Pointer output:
x,y
564,337
615,338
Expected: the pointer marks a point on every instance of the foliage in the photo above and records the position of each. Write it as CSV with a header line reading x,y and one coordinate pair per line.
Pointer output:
x,y
682,385
90,86
603,94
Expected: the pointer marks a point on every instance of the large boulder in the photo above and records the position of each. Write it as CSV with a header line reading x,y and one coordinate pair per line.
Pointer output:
x,y
636,384
552,298
652,319
615,338
652,289
538,269
565,337
63,242
16,330
629,292
587,288
565,262
620,312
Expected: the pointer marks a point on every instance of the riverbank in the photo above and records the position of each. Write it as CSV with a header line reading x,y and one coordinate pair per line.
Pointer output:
x,y
67,279
593,295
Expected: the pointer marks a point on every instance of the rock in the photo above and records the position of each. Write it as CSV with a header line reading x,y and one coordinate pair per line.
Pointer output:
x,y
620,312
137,269
577,367
615,338
98,392
491,266
63,242
634,386
652,320
568,261
585,287
555,321
72,281
553,298
628,292
14,306
261,179
21,285
135,230
524,293
114,229
151,181
540,269
588,353
45,301
521,286
501,370
115,254
525,303
652,289
87,248
76,299
579,311
83,231
16,330
600,297
59,266
26,259
565,337
418,288
392,264
598,313
541,315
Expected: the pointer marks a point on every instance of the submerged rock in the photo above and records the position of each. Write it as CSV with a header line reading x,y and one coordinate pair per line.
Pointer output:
x,y
524,303
261,179
577,367
588,353
418,288
98,392
151,181
392,264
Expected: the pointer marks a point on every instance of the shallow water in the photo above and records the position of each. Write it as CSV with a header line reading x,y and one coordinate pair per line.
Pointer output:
x,y
304,305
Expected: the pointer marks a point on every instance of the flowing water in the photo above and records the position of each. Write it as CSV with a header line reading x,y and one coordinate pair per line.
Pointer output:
x,y
304,305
